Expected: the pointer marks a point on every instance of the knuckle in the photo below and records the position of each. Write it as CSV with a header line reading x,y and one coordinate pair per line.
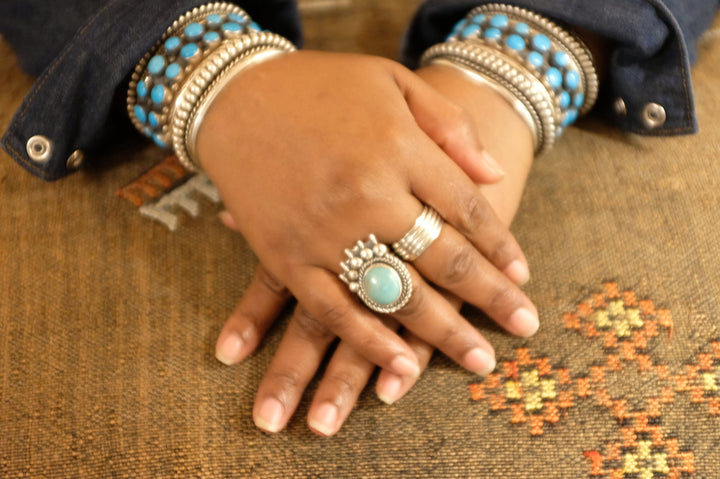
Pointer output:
x,y
270,282
285,380
460,266
502,251
474,213
310,328
344,384
328,321
452,335
502,299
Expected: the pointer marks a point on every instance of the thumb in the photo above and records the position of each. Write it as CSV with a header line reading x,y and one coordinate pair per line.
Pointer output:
x,y
450,127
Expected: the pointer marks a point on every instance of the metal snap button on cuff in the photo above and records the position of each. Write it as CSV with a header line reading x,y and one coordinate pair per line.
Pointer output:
x,y
75,160
619,107
653,116
39,149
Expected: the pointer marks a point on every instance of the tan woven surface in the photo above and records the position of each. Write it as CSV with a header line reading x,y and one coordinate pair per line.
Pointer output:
x,y
108,323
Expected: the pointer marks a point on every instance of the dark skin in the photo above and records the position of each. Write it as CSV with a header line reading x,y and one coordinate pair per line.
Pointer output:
x,y
482,149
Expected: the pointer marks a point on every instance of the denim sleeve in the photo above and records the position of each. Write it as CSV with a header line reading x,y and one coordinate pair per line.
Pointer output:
x,y
83,52
655,42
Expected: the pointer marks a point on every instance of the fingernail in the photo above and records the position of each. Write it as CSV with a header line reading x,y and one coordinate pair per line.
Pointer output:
x,y
388,387
479,361
324,419
227,219
229,349
524,322
491,164
405,367
269,417
518,272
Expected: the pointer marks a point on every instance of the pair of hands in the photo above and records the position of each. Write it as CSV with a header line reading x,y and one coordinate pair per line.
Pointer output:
x,y
314,151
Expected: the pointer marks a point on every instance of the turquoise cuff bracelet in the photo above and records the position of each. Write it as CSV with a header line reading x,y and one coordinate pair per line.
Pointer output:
x,y
193,55
544,71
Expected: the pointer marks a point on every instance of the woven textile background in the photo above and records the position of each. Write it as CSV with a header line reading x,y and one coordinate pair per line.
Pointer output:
x,y
108,322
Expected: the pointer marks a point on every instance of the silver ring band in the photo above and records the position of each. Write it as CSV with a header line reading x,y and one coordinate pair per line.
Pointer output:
x,y
426,229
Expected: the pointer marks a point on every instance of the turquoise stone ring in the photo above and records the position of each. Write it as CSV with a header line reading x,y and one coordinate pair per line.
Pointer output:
x,y
377,276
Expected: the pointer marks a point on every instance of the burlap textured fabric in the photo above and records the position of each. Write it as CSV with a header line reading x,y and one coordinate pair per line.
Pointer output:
x,y
108,323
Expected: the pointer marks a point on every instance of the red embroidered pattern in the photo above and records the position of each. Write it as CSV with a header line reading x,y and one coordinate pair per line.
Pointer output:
x,y
536,393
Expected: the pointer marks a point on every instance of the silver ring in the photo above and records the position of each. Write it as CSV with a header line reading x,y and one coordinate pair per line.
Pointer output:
x,y
378,277
426,230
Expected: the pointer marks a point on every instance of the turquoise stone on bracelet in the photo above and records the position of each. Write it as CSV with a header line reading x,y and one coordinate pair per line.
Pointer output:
x,y
232,27
456,29
565,100
172,71
153,119
560,59
189,51
140,114
499,21
236,18
541,43
579,100
522,28
516,42
383,284
211,37
554,77
470,30
479,19
492,34
142,90
572,80
158,94
254,26
536,59
156,65
570,117
214,20
172,44
194,31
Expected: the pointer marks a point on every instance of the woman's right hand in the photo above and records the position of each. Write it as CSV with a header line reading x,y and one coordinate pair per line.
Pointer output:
x,y
312,152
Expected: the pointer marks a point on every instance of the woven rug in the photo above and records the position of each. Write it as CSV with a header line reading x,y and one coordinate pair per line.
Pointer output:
x,y
108,320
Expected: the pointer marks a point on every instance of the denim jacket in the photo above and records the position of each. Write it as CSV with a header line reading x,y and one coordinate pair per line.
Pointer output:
x,y
84,50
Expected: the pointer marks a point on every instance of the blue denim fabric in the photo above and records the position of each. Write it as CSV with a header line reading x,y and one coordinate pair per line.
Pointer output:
x,y
655,44
84,51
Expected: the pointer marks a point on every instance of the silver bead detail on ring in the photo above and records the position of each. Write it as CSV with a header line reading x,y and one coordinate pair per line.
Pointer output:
x,y
378,277
426,230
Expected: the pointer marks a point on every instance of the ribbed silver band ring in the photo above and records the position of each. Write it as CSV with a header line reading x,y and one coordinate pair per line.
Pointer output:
x,y
426,229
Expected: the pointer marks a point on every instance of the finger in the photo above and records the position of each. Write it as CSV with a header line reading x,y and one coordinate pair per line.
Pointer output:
x,y
331,307
261,304
454,264
450,127
433,319
344,379
463,206
296,361
391,387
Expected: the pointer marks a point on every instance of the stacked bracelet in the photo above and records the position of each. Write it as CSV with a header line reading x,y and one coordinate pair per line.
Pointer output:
x,y
546,73
173,85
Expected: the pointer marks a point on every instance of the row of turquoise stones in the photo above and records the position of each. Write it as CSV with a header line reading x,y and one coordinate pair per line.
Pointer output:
x,y
536,48
165,68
